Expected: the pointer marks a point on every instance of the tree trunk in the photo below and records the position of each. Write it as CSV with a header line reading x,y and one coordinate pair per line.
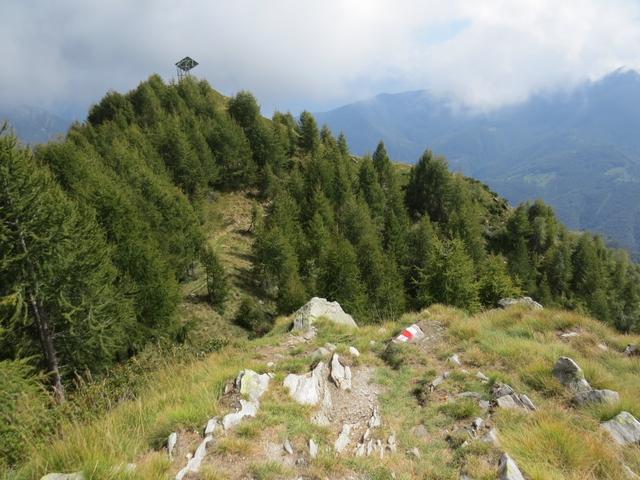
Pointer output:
x,y
42,320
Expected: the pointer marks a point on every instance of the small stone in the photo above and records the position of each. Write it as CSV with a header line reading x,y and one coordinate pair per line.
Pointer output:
x,y
414,452
491,437
484,404
252,385
372,343
287,446
420,431
171,444
391,443
477,423
500,390
270,364
508,470
570,335
375,420
413,333
506,401
596,396
624,428
526,401
524,301
354,352
340,374
475,395
313,448
455,359
307,389
482,377
343,439
603,347
320,353
438,381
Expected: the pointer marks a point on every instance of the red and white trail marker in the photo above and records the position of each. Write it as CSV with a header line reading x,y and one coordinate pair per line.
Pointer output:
x,y
410,334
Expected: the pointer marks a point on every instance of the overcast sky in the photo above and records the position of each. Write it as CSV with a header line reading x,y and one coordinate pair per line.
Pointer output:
x,y
295,54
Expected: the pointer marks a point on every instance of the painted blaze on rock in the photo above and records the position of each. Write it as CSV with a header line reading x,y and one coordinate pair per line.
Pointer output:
x,y
321,307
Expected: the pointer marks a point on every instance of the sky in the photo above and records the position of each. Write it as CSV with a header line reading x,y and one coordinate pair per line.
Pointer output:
x,y
64,55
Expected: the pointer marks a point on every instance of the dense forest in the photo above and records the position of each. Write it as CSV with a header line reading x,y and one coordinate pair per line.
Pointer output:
x,y
98,231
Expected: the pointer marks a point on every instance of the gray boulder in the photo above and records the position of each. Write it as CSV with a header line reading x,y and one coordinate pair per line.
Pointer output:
x,y
321,307
596,396
525,301
569,374
624,428
507,469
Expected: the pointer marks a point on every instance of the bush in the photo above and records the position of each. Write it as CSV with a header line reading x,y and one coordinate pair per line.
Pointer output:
x,y
253,317
25,410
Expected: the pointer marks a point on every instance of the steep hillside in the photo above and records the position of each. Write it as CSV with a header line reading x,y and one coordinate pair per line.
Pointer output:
x,y
435,408
577,150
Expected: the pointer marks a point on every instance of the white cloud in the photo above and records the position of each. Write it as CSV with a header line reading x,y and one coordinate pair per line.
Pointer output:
x,y
296,53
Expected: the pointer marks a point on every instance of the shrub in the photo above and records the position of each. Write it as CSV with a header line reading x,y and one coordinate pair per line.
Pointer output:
x,y
253,317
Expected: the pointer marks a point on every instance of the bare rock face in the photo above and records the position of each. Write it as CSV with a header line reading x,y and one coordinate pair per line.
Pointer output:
x,y
525,301
508,470
308,389
252,385
340,374
569,374
247,409
624,428
321,307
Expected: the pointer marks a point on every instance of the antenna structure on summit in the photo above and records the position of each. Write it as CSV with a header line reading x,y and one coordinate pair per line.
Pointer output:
x,y
184,66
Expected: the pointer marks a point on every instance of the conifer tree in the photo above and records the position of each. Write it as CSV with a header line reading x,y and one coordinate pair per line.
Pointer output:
x,y
217,281
309,137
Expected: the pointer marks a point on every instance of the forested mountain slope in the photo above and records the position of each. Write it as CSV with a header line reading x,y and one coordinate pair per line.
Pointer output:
x,y
104,233
577,150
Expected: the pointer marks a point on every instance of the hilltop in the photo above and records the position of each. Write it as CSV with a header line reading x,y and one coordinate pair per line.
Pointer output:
x,y
576,149
430,405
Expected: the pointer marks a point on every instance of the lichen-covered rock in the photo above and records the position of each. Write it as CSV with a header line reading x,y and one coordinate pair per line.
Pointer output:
x,y
596,396
247,409
321,307
252,385
568,373
508,470
525,301
624,428
340,374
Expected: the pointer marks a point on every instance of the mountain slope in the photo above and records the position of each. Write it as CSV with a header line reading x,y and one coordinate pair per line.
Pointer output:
x,y
577,150
33,124
425,426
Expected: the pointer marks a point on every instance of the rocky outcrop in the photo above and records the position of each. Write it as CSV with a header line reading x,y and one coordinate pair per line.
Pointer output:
x,y
508,470
624,428
505,397
523,301
340,374
308,389
247,409
321,307
193,465
252,385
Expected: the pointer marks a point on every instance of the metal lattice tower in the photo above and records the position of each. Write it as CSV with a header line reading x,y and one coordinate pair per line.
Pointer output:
x,y
184,66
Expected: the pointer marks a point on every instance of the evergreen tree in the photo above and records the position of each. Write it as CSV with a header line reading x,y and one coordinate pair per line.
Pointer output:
x,y
308,136
217,281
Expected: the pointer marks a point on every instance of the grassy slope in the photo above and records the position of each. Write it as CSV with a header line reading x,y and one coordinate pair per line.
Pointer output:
x,y
516,346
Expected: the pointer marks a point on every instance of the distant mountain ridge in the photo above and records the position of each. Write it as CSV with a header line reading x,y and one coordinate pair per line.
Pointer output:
x,y
34,124
577,150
